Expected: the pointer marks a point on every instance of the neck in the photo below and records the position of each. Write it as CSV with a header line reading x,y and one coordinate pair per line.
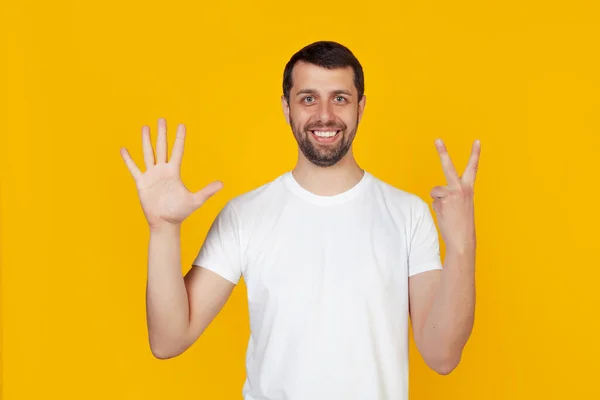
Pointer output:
x,y
328,181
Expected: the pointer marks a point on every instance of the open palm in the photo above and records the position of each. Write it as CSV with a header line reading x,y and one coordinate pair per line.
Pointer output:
x,y
163,196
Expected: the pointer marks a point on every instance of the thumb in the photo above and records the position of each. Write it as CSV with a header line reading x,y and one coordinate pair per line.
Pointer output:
x,y
201,196
437,207
439,192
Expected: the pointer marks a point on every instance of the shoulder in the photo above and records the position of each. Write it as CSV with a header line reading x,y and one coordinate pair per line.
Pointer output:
x,y
398,198
263,196
405,209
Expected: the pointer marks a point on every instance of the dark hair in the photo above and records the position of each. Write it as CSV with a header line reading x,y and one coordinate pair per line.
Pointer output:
x,y
328,55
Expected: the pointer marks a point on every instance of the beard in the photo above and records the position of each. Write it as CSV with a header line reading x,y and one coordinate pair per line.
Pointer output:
x,y
324,155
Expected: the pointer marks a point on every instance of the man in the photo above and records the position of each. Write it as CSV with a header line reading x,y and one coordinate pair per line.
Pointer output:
x,y
335,261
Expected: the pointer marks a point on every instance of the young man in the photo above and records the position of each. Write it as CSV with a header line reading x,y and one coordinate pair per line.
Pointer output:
x,y
335,260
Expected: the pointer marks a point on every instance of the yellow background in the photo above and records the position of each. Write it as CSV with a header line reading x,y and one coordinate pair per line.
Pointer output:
x,y
79,79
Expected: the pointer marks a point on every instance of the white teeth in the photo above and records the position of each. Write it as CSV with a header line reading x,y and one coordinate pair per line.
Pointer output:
x,y
325,133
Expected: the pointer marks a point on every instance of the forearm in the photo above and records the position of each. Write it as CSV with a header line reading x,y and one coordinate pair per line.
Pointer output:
x,y
167,304
450,319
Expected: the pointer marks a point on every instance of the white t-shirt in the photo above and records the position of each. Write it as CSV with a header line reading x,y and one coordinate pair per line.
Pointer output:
x,y
327,282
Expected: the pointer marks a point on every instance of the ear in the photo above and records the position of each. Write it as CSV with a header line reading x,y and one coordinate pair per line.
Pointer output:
x,y
286,109
361,107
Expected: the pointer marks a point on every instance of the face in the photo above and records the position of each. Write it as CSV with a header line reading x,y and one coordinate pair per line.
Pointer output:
x,y
323,111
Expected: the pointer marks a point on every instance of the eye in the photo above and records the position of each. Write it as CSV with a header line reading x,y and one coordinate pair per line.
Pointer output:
x,y
340,99
308,99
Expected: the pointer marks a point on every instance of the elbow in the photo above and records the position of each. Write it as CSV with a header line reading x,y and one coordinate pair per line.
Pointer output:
x,y
162,354
445,369
442,361
163,350
445,365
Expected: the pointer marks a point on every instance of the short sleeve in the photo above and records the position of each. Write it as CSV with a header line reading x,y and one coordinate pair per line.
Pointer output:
x,y
220,252
424,254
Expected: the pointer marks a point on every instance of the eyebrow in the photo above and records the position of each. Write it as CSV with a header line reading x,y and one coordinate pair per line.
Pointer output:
x,y
313,91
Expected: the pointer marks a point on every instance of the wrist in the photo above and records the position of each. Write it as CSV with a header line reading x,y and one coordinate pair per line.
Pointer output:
x,y
164,228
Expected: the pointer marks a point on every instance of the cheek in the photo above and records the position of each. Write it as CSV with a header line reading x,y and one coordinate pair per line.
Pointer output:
x,y
349,116
351,121
300,119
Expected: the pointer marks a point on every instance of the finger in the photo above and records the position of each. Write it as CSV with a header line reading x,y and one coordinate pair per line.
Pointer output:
x,y
161,142
439,192
147,147
133,169
177,152
471,170
449,170
204,194
436,206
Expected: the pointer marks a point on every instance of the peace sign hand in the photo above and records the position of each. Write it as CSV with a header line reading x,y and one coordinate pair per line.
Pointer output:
x,y
453,204
164,198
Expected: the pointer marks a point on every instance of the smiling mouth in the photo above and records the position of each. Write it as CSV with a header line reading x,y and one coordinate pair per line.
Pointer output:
x,y
325,136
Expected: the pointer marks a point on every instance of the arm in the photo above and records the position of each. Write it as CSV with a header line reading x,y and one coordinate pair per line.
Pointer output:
x,y
178,308
442,307
442,303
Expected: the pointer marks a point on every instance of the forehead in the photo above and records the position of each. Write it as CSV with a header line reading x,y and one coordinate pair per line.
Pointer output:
x,y
310,76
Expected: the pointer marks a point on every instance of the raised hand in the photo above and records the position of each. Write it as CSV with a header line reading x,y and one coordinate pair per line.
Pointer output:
x,y
453,203
163,196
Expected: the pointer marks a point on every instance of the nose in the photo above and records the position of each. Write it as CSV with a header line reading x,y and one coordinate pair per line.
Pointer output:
x,y
326,112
